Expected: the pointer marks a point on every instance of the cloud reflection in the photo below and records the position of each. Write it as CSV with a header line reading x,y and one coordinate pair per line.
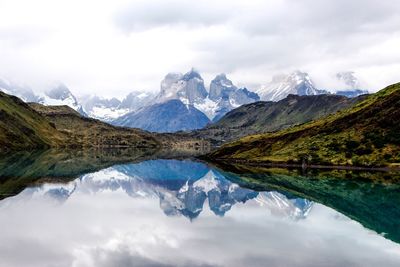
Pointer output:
x,y
113,218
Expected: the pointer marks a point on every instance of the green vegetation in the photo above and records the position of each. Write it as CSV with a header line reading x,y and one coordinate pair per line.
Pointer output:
x,y
21,127
262,117
367,134
87,132
34,126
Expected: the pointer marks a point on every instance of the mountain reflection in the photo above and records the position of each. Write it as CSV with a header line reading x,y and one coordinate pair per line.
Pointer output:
x,y
96,210
182,187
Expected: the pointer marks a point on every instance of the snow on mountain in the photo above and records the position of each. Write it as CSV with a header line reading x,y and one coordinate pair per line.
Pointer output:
x,y
173,108
189,88
61,95
136,100
223,88
23,92
110,109
182,187
281,205
225,96
296,83
102,108
207,183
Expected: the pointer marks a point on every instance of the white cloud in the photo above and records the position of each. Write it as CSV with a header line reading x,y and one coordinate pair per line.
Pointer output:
x,y
112,47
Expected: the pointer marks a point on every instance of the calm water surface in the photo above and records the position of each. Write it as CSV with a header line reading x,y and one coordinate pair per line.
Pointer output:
x,y
185,213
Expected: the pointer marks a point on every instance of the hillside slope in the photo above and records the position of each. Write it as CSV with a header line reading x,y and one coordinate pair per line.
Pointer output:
x,y
87,132
34,126
262,117
365,135
22,127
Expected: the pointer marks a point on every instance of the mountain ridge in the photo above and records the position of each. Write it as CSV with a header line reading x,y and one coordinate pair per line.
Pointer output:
x,y
363,135
260,117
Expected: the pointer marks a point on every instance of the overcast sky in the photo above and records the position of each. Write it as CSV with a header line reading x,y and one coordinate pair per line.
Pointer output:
x,y
112,47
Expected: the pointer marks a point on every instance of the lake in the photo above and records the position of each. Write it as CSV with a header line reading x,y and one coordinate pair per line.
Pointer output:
x,y
133,209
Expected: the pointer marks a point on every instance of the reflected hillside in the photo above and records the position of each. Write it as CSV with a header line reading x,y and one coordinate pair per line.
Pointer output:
x,y
21,169
182,188
188,188
371,198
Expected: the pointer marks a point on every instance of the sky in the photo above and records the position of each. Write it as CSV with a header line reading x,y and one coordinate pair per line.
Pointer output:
x,y
110,48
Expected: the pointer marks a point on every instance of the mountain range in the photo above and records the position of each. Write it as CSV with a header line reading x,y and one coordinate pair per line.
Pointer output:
x,y
366,134
267,116
26,126
222,96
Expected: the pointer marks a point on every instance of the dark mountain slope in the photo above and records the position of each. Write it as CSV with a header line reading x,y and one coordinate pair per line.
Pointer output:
x,y
31,126
87,132
22,127
262,117
364,135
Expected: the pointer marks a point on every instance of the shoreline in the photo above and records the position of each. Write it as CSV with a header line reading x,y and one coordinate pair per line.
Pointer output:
x,y
299,166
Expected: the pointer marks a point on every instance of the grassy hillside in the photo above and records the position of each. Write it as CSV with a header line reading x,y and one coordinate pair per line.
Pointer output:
x,y
262,117
22,127
87,132
365,135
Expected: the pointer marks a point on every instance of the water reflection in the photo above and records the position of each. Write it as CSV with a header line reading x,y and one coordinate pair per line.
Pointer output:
x,y
185,213
182,187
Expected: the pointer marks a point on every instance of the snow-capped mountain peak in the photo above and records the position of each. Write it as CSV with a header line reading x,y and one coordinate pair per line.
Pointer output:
x,y
297,83
61,95
221,86
23,92
189,88
192,74
207,183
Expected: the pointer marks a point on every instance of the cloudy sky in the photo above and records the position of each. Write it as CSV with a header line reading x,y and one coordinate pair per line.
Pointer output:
x,y
112,47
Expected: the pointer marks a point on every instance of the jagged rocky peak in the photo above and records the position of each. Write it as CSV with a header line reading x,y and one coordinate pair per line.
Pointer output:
x,y
192,74
221,87
136,100
243,96
61,95
23,92
189,88
60,92
95,100
349,79
303,82
298,83
194,89
170,79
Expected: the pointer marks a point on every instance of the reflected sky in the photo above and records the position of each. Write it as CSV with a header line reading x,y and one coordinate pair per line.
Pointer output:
x,y
178,213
